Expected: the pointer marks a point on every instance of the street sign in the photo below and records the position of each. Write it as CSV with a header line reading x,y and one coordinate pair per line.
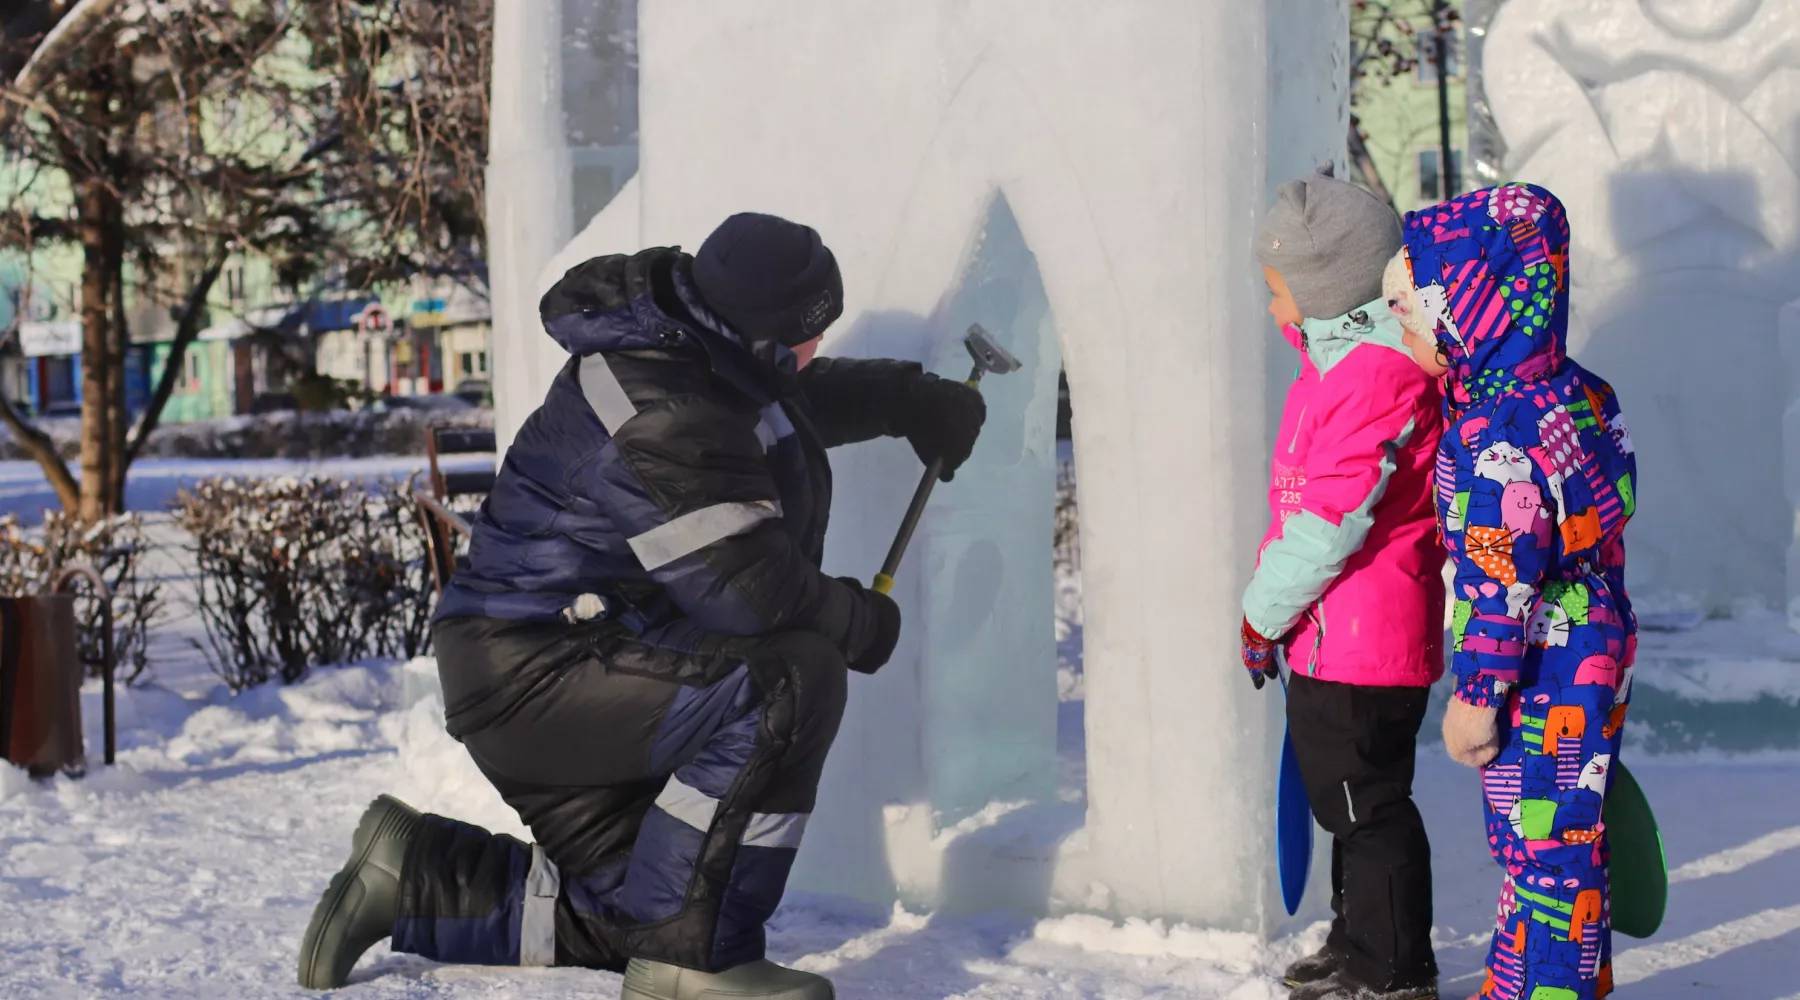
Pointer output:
x,y
374,319
37,340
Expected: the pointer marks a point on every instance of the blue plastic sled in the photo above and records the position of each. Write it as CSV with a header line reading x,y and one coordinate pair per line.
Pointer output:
x,y
1293,824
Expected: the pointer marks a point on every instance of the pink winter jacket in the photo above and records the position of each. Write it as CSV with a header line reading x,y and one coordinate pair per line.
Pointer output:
x,y
1351,568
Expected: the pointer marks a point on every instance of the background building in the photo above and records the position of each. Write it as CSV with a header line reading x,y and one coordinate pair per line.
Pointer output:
x,y
1398,112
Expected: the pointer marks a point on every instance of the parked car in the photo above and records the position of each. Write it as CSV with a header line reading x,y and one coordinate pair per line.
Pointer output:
x,y
475,391
388,404
274,402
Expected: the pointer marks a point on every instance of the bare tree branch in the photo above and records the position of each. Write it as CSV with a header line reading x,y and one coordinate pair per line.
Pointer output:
x,y
187,330
340,141
39,445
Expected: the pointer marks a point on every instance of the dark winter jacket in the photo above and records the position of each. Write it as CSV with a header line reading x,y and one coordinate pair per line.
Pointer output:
x,y
675,473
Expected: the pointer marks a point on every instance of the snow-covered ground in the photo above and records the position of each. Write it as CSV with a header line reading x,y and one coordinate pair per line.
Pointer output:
x,y
190,869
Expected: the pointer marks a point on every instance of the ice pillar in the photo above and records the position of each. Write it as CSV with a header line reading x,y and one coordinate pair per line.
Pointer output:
x,y
964,158
528,179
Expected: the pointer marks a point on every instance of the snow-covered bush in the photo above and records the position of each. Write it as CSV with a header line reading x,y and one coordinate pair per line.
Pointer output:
x,y
116,547
297,573
332,434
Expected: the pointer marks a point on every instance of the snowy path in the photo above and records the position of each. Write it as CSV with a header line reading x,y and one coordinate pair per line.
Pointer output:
x,y
190,872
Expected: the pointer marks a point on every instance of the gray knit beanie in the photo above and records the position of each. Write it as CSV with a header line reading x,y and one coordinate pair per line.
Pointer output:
x,y
1330,241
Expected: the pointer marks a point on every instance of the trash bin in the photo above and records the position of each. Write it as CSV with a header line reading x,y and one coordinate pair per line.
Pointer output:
x,y
41,671
40,685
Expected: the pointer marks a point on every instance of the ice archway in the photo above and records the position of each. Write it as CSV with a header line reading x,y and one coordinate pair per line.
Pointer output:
x,y
962,157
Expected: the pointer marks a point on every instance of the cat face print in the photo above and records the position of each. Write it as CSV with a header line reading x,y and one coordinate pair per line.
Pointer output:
x,y
1504,463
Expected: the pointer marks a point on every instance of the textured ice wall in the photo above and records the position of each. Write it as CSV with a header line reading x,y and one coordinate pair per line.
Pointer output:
x,y
563,142
1671,128
962,158
528,180
1790,451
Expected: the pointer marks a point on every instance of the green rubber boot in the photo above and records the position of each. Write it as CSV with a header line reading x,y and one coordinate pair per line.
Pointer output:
x,y
762,980
360,904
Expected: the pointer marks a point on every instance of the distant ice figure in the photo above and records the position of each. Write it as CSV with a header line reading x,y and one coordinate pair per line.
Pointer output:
x,y
1671,131
1790,451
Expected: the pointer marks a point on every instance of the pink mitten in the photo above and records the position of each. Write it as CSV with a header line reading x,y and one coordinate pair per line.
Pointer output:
x,y
1471,734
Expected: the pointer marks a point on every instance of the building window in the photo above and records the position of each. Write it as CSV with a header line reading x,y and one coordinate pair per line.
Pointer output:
x,y
467,364
481,358
1431,178
191,361
1426,71
234,284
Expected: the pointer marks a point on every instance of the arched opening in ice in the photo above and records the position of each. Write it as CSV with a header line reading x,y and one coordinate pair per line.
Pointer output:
x,y
988,557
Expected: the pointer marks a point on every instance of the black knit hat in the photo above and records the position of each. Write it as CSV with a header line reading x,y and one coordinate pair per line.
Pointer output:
x,y
769,278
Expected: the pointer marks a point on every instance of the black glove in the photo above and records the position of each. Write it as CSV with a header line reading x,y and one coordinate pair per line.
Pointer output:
x,y
884,635
941,419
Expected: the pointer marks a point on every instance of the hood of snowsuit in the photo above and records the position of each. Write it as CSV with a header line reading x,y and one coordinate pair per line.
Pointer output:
x,y
1492,270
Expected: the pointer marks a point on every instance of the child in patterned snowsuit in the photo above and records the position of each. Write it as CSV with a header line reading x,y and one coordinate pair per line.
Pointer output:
x,y
1535,483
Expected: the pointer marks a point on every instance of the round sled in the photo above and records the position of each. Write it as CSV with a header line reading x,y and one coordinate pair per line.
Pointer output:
x,y
1293,825
1639,871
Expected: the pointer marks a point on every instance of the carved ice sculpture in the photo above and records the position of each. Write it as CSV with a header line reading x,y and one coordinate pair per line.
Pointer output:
x,y
1671,128
1790,450
1084,179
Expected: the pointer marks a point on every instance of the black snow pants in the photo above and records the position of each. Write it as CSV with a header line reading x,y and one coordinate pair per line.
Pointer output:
x,y
1355,746
667,805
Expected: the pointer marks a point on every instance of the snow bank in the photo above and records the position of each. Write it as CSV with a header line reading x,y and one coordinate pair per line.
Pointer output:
x,y
13,781
437,774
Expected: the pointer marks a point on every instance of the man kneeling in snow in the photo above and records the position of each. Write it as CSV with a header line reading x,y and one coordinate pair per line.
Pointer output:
x,y
642,653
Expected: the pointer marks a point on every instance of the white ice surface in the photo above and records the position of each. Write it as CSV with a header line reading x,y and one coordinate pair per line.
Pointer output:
x,y
1671,129
189,872
905,133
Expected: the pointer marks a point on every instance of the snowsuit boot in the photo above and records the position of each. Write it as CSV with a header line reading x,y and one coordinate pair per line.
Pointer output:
x,y
1321,964
759,980
360,904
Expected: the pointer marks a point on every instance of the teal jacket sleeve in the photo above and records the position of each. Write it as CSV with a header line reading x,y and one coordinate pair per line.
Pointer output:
x,y
1363,416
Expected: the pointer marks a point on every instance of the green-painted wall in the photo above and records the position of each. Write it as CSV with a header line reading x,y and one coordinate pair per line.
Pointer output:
x,y
1400,118
212,361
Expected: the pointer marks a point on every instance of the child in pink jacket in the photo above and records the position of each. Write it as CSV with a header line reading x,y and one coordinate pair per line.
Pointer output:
x,y
1348,584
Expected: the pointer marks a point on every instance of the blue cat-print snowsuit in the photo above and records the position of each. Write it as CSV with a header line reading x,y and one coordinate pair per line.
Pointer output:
x,y
1535,483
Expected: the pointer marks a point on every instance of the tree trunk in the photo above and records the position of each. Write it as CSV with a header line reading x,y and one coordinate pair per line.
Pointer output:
x,y
118,414
1449,185
100,224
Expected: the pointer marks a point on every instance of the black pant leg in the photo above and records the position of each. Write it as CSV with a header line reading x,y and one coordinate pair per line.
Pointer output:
x,y
1339,937
667,804
711,861
1356,747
